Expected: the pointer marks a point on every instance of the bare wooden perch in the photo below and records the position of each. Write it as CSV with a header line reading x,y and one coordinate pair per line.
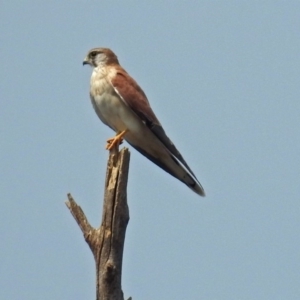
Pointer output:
x,y
107,242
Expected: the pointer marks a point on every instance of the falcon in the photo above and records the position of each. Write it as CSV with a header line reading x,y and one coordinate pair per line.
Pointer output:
x,y
122,105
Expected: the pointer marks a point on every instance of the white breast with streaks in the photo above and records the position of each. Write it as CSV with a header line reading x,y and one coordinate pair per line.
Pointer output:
x,y
107,103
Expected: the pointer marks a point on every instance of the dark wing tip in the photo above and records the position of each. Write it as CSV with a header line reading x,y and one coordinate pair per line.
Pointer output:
x,y
194,185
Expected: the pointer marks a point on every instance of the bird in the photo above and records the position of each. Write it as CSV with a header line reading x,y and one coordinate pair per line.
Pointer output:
x,y
122,105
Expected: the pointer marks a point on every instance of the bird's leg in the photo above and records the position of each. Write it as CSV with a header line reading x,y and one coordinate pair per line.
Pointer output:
x,y
116,140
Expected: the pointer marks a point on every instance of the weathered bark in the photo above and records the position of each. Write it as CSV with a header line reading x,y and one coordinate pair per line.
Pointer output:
x,y
107,242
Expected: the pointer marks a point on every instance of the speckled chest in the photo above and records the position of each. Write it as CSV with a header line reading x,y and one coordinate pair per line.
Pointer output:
x,y
110,108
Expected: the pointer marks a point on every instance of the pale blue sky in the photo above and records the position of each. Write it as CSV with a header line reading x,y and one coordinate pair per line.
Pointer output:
x,y
223,78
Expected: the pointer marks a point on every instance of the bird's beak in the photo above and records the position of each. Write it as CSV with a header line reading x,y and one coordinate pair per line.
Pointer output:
x,y
85,61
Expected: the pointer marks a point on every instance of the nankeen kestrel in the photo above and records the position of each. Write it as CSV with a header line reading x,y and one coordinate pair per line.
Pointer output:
x,y
122,105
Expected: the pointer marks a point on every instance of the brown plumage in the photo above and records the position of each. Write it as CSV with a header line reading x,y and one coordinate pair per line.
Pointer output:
x,y
122,105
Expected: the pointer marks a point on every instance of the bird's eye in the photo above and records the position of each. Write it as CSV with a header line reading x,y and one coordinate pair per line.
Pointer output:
x,y
93,54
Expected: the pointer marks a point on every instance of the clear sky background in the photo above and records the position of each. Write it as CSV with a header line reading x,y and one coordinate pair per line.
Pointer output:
x,y
223,79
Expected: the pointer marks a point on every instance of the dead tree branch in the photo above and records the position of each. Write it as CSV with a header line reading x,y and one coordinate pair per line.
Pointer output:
x,y
107,241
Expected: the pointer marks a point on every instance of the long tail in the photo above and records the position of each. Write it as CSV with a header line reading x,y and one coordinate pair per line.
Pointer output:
x,y
176,169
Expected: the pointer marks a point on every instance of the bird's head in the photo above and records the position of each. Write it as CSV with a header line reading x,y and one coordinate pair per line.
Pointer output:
x,y
100,57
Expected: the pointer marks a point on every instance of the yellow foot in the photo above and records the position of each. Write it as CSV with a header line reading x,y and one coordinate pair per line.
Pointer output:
x,y
116,140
